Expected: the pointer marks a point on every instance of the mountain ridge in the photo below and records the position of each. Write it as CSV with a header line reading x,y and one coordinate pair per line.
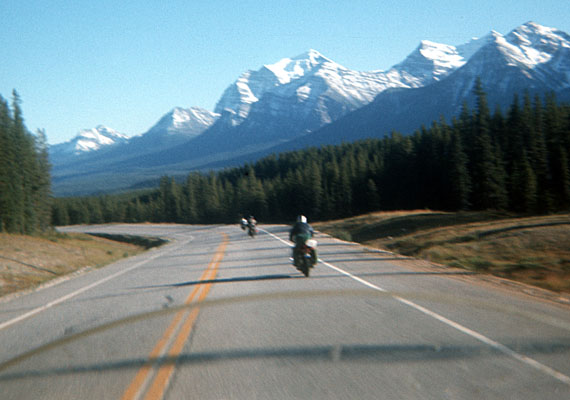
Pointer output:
x,y
309,99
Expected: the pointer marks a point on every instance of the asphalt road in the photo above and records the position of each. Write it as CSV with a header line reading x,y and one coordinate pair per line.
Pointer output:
x,y
217,315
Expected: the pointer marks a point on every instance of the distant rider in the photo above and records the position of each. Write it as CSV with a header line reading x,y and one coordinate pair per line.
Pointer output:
x,y
251,228
300,233
251,221
243,224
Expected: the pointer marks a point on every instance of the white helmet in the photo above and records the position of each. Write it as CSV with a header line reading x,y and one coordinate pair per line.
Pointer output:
x,y
302,218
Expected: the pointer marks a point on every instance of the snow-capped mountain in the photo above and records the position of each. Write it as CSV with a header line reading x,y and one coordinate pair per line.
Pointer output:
x,y
315,89
532,45
429,62
175,127
311,100
184,122
89,140
531,58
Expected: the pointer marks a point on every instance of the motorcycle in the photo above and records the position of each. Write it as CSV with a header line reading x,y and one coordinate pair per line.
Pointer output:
x,y
305,256
251,230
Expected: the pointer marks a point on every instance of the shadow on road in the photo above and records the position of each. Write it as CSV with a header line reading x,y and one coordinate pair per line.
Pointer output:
x,y
362,353
229,280
295,276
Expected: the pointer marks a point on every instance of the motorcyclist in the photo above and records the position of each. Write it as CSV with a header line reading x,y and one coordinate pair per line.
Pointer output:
x,y
300,233
243,223
251,225
251,221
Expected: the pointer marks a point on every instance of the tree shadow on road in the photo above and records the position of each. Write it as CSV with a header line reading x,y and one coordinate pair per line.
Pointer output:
x,y
338,353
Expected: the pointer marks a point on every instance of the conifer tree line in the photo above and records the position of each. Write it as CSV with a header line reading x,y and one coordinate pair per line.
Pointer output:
x,y
25,182
517,160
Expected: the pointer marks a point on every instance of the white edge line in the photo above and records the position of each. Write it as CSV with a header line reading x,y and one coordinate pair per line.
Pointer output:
x,y
476,335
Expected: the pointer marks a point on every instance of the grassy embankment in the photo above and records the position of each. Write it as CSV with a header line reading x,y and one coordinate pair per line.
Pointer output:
x,y
28,261
532,250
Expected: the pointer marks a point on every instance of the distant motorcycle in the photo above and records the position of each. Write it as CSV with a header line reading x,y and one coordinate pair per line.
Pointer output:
x,y
251,230
304,256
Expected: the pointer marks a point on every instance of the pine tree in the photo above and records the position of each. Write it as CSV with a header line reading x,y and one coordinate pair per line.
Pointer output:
x,y
170,200
557,144
397,180
78,211
95,211
332,203
372,196
18,168
488,175
42,183
60,215
190,209
312,187
458,175
344,190
7,199
427,172
539,159
209,204
258,201
524,195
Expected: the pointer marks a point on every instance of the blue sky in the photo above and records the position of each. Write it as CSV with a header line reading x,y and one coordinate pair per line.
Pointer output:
x,y
124,64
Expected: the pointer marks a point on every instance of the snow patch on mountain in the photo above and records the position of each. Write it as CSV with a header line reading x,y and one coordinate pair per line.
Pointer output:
x,y
88,140
190,121
531,44
288,70
429,62
316,81
187,122
540,54
303,93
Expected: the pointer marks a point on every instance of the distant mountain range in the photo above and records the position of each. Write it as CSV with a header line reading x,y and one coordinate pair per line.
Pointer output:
x,y
310,100
88,140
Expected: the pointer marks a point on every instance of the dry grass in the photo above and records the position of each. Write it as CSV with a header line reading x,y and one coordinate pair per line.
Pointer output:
x,y
533,250
27,261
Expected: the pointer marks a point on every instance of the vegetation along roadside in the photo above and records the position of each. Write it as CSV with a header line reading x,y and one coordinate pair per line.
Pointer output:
x,y
531,250
29,261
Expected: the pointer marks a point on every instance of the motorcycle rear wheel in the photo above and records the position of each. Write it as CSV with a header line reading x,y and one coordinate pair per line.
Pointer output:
x,y
305,266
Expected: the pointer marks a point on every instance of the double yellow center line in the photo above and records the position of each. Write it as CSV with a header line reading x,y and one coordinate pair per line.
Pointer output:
x,y
172,341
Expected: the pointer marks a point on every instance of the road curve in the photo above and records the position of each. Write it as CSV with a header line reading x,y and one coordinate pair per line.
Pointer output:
x,y
214,314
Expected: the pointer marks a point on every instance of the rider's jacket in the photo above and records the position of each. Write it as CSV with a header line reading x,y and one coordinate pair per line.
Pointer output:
x,y
300,228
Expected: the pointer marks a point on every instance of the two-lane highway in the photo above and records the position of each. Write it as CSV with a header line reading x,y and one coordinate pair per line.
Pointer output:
x,y
215,314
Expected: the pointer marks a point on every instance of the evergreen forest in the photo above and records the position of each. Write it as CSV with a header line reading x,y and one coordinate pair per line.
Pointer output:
x,y
514,160
25,182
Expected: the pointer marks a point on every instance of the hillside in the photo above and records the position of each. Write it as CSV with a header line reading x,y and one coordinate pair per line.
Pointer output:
x,y
29,261
531,250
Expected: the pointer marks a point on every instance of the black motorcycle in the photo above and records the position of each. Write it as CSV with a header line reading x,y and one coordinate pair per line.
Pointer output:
x,y
251,230
305,256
